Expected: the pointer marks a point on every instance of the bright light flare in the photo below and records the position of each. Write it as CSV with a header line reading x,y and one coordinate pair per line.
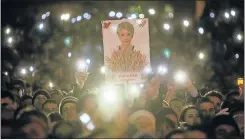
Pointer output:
x,y
10,40
81,65
212,15
65,17
103,69
237,56
51,84
73,20
227,15
133,16
48,14
8,31
88,61
6,73
44,16
40,26
109,94
69,54
147,70
201,30
239,37
166,26
201,55
79,18
142,85
162,70
112,14
186,23
84,118
233,13
23,71
141,15
31,68
119,15
151,11
180,77
134,90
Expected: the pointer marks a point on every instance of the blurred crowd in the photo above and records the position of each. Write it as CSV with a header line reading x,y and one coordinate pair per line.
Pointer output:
x,y
160,111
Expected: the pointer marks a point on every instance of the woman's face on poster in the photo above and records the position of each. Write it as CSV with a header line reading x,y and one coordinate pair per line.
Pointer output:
x,y
125,36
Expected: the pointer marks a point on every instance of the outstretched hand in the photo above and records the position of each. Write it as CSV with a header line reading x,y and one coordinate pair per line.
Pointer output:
x,y
223,112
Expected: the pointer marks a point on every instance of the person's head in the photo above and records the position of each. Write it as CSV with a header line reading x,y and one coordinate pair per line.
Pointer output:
x,y
87,103
49,106
68,108
56,95
39,98
168,113
18,87
164,126
176,104
198,132
217,98
26,100
63,130
190,115
144,121
205,109
165,104
233,96
8,100
176,134
32,124
225,127
125,32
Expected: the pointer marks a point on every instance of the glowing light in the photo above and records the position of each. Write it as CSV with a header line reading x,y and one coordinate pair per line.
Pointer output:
x,y
10,40
151,11
85,15
6,73
180,77
44,16
119,15
81,65
88,61
48,14
7,31
170,15
162,70
133,16
84,118
65,17
112,14
31,68
227,15
239,37
147,70
201,55
141,85
40,26
212,15
134,90
79,18
237,56
166,26
73,20
90,126
186,23
51,84
23,71
103,69
141,15
201,30
69,54
109,94
233,13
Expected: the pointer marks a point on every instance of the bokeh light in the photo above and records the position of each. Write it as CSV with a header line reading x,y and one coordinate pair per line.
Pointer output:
x,y
237,56
88,61
201,55
8,30
10,40
23,71
227,15
103,69
41,26
44,16
79,18
141,16
69,54
233,13
186,23
31,68
180,77
151,11
212,15
201,30
166,26
112,14
119,15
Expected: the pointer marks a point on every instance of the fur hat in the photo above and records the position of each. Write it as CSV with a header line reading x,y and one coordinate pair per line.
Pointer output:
x,y
68,99
40,92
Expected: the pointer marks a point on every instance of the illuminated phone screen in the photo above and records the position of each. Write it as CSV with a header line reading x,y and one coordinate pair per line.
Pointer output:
x,y
240,81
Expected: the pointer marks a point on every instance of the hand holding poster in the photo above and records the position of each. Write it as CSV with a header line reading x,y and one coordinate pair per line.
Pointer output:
x,y
126,50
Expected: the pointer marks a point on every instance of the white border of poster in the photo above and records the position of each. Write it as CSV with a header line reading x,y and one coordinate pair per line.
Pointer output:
x,y
126,50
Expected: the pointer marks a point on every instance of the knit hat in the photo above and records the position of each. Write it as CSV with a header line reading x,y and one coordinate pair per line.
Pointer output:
x,y
68,99
224,119
40,92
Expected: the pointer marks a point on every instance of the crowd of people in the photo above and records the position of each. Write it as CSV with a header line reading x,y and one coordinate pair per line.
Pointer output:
x,y
52,113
